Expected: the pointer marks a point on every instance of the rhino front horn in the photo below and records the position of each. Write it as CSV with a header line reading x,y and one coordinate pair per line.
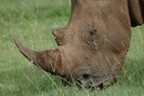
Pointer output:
x,y
48,60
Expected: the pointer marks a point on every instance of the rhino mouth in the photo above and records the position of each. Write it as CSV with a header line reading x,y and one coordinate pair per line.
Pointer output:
x,y
95,82
91,79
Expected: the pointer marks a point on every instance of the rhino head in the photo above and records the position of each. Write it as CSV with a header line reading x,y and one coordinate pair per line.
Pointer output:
x,y
92,47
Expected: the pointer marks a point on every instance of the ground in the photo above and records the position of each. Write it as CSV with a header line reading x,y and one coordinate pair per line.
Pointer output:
x,y
31,21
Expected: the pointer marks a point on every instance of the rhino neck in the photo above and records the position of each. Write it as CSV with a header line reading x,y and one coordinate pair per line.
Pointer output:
x,y
91,9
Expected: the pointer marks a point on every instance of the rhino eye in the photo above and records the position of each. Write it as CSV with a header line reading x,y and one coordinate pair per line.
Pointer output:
x,y
93,32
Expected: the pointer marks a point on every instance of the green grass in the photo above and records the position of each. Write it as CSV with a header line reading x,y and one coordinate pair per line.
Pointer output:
x,y
31,21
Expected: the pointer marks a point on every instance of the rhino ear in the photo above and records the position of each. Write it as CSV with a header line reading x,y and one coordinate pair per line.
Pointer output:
x,y
49,60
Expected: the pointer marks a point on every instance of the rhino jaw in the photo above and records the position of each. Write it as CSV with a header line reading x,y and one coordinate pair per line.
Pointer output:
x,y
48,60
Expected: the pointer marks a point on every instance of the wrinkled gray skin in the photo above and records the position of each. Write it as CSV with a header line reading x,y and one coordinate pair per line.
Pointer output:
x,y
92,47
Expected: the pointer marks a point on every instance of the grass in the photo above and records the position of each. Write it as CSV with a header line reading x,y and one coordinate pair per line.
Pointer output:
x,y
31,21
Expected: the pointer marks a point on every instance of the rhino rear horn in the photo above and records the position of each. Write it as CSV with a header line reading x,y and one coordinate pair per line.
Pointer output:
x,y
49,60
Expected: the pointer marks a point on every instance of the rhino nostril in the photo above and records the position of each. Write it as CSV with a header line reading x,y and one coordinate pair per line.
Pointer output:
x,y
86,76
